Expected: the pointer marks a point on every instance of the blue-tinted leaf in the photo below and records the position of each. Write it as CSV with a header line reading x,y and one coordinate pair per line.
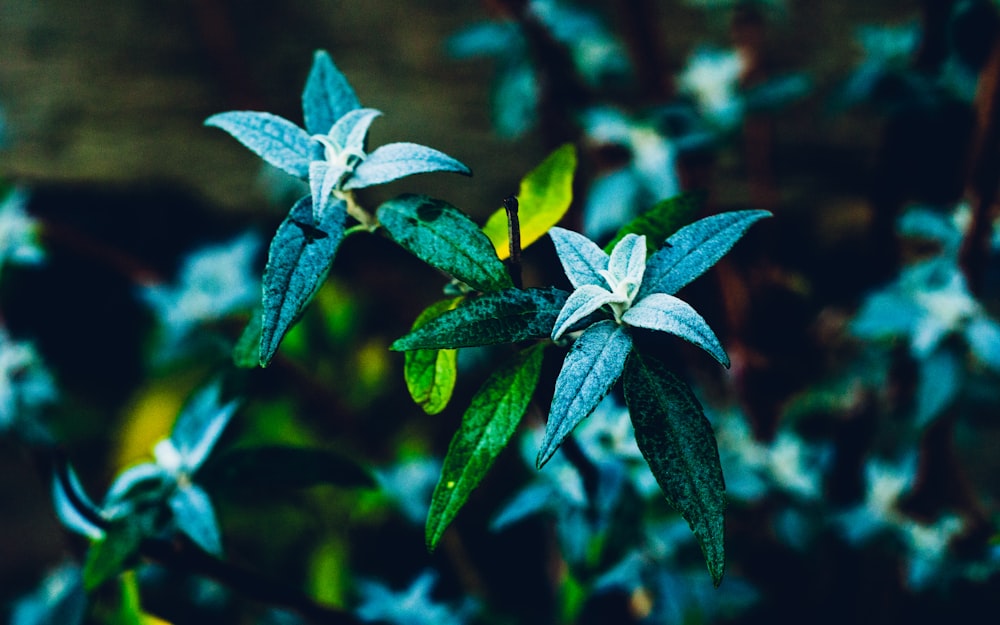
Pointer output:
x,y
983,336
59,600
939,378
68,511
628,259
582,302
516,93
484,39
194,515
275,139
667,313
505,316
591,368
611,200
327,95
694,248
487,426
279,468
112,554
200,424
300,257
581,258
396,160
146,481
678,443
532,500
324,177
887,314
442,236
350,130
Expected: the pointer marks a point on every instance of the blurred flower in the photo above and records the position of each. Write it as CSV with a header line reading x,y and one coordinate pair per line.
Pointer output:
x,y
58,600
712,78
25,386
18,232
413,606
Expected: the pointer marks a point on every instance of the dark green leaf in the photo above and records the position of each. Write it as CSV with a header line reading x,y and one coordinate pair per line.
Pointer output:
x,y
442,236
300,257
282,468
500,317
112,554
591,368
661,221
678,443
431,373
486,428
246,352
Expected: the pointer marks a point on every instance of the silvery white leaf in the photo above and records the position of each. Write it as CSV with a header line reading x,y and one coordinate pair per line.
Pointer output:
x,y
667,313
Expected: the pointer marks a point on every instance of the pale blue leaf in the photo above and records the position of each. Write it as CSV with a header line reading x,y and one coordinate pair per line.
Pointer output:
x,y
139,483
590,369
694,248
582,302
59,600
939,378
300,257
275,139
323,179
200,424
886,314
983,336
533,499
516,94
581,258
327,95
484,39
628,259
667,313
397,160
67,511
349,132
611,202
194,516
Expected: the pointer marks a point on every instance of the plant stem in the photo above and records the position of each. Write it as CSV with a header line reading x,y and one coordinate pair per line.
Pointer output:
x,y
514,240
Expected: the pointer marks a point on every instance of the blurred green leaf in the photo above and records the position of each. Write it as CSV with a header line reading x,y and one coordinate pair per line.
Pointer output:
x,y
487,426
246,352
431,373
442,236
544,197
661,221
110,555
677,442
505,316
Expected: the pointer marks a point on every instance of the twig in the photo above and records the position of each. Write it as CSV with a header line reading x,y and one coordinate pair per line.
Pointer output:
x,y
514,240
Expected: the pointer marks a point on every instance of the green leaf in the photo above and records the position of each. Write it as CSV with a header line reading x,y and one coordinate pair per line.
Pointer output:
x,y
505,316
487,427
442,236
299,259
591,368
544,197
280,468
431,373
677,442
246,352
110,555
661,221
694,248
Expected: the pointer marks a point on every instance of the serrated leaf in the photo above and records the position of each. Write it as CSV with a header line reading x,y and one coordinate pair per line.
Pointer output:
x,y
677,442
543,199
694,248
195,517
582,260
327,96
487,427
298,261
200,424
110,555
398,160
275,139
591,368
661,221
430,374
506,316
443,237
667,313
282,468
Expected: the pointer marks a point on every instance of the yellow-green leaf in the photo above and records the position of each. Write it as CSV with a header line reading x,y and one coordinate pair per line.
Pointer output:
x,y
544,197
431,373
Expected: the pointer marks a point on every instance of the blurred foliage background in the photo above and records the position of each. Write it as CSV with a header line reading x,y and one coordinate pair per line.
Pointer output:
x,y
102,108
